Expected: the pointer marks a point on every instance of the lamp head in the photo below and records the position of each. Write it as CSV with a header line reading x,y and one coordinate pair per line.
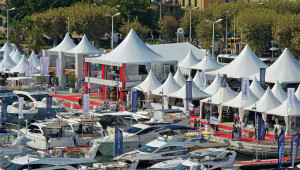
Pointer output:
x,y
13,8
118,6
219,20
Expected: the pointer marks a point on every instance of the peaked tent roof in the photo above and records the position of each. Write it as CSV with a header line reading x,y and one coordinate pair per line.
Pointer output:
x,y
6,48
65,45
22,65
7,63
33,58
278,92
256,88
17,56
132,50
207,64
297,92
239,67
267,102
179,78
168,87
239,103
196,92
187,62
149,84
197,81
214,86
286,69
84,47
11,54
222,95
284,110
26,60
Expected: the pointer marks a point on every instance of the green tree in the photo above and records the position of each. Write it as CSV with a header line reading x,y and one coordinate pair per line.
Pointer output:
x,y
142,31
15,33
168,26
295,47
35,39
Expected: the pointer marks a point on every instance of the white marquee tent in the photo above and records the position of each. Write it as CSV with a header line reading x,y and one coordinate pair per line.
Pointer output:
x,y
7,63
222,95
278,92
168,87
214,86
11,54
65,45
245,65
197,81
286,69
297,93
149,84
34,60
207,64
17,56
179,78
256,88
21,66
239,103
84,47
187,62
6,48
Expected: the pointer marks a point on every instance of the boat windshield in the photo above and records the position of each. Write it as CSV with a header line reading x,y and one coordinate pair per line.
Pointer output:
x,y
14,167
8,97
130,120
147,148
132,130
39,97
182,167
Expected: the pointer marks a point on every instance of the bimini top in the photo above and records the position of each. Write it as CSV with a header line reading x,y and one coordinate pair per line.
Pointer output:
x,y
176,127
65,45
244,65
132,51
84,47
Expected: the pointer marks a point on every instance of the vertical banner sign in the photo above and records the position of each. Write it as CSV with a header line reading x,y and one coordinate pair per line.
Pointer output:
x,y
21,101
86,103
280,149
262,77
58,66
294,148
188,90
134,101
224,81
261,128
41,66
166,102
118,141
202,80
191,106
4,116
291,97
49,106
245,88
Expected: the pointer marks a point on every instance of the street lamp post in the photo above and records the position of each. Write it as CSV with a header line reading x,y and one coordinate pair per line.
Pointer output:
x,y
190,19
162,98
227,12
112,27
7,10
213,37
159,8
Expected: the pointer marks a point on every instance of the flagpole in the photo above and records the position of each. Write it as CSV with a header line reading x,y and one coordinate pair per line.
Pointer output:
x,y
256,127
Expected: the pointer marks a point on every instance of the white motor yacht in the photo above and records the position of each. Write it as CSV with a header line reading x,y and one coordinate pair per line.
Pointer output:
x,y
165,148
57,159
171,164
38,100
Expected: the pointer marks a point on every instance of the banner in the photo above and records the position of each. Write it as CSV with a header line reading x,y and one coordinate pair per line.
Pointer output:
x,y
261,128
188,90
294,148
134,101
118,148
291,97
280,149
262,77
202,80
191,106
166,102
214,120
4,116
224,81
245,88
49,106
21,102
86,103
58,67
41,66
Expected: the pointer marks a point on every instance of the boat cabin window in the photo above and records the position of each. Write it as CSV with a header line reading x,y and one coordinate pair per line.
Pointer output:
x,y
171,148
148,130
54,132
39,97
34,129
168,133
178,153
68,127
147,148
9,98
26,98
132,130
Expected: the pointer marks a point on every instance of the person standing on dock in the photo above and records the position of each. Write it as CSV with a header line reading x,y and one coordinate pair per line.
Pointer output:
x,y
195,123
235,132
267,128
232,133
275,135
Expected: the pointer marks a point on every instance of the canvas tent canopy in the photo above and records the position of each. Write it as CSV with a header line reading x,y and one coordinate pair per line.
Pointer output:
x,y
221,96
6,48
11,54
239,67
34,60
84,47
207,64
187,62
17,56
7,63
149,84
65,45
239,103
297,93
179,78
168,87
256,88
197,80
214,86
21,67
278,92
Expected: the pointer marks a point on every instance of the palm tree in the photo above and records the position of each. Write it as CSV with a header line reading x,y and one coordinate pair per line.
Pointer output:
x,y
35,39
16,33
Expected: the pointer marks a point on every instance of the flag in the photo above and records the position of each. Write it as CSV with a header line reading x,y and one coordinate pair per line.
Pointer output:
x,y
58,67
188,90
262,77
21,101
134,100
118,141
291,97
49,106
86,103
294,148
224,81
261,128
4,116
191,106
214,120
280,149
202,80
245,88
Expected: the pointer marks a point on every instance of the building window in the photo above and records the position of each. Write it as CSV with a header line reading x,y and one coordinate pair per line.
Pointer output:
x,y
226,1
1,22
176,2
189,3
195,5
183,3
